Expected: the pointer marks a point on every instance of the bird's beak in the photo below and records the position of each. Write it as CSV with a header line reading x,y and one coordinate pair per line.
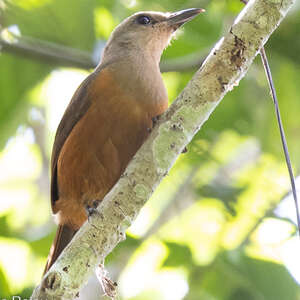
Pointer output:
x,y
178,18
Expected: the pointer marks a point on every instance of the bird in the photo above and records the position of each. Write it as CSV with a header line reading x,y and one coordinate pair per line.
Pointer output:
x,y
108,118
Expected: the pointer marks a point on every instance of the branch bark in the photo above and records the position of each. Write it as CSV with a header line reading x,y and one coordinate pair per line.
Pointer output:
x,y
222,70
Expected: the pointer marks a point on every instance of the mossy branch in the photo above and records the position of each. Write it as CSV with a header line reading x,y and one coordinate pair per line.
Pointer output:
x,y
226,64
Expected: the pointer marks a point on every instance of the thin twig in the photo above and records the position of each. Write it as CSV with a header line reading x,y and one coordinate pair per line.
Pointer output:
x,y
50,52
282,135
46,51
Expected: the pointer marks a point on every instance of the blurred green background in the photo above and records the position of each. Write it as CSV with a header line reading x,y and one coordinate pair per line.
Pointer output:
x,y
221,225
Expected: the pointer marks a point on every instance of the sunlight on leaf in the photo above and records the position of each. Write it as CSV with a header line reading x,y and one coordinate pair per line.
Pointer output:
x,y
261,195
198,227
13,259
104,22
20,158
146,261
58,90
129,3
269,239
30,4
171,80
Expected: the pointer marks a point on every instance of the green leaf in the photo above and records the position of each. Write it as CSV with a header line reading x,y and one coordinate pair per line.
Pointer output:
x,y
4,286
179,255
4,228
17,77
65,22
52,21
234,276
228,194
41,246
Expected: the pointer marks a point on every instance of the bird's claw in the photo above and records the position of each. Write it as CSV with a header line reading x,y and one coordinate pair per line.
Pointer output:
x,y
155,120
92,209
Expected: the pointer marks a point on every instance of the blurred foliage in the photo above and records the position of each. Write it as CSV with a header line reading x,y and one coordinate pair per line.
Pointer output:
x,y
209,231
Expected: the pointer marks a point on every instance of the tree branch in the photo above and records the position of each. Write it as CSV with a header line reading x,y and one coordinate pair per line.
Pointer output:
x,y
222,70
45,51
48,52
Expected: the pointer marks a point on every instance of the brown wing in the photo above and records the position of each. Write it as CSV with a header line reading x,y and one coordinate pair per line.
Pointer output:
x,y
78,106
109,122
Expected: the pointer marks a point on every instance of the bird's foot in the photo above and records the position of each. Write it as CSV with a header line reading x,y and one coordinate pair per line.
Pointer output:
x,y
92,209
155,120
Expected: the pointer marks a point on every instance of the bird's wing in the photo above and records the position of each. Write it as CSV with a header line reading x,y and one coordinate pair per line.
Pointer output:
x,y
78,106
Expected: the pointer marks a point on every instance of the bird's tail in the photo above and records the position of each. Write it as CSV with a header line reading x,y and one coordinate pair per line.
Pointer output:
x,y
63,236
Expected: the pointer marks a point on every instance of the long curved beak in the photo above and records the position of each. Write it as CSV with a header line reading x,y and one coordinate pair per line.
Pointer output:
x,y
178,18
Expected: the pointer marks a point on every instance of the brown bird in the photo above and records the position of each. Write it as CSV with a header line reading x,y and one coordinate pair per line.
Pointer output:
x,y
108,119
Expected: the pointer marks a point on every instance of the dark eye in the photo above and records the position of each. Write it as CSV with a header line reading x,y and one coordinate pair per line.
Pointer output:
x,y
144,20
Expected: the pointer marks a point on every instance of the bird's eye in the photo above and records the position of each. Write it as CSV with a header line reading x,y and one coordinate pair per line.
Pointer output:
x,y
144,20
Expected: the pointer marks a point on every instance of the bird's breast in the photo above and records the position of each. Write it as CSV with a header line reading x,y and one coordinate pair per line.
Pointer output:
x,y
103,142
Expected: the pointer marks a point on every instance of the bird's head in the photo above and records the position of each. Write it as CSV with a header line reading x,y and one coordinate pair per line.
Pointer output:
x,y
147,32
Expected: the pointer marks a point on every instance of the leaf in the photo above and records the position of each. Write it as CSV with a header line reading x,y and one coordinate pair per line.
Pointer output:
x,y
41,246
179,255
60,24
71,27
4,228
17,77
4,286
226,193
234,276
